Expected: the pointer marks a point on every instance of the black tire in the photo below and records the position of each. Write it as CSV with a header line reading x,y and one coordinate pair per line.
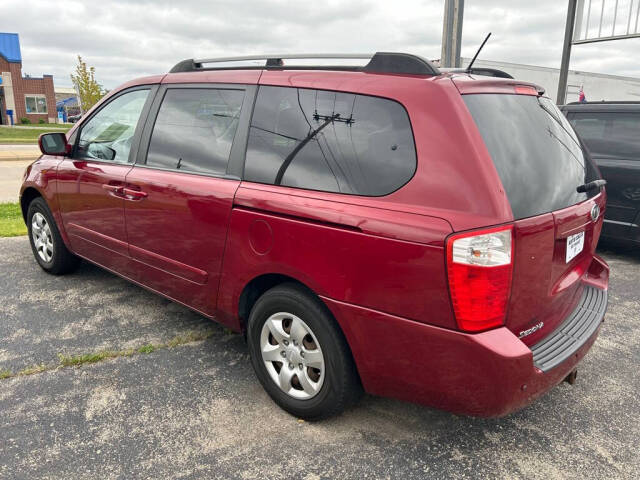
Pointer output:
x,y
341,386
62,260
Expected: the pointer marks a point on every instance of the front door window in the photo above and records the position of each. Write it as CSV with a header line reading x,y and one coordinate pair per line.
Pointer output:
x,y
109,133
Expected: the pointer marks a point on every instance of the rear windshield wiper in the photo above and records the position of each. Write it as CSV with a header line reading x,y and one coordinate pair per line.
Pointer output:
x,y
591,186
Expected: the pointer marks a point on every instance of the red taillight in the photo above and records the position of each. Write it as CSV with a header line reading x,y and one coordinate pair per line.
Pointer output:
x,y
479,266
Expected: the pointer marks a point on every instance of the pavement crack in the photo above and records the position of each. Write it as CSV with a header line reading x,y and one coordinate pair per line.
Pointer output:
x,y
66,361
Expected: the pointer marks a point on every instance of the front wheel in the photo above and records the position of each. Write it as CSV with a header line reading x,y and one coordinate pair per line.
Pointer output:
x,y
46,243
300,355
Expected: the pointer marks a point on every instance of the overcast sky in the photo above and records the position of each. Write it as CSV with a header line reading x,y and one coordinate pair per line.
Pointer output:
x,y
126,39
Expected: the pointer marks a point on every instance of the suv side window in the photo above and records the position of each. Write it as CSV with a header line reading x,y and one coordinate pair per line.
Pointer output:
x,y
109,133
194,130
329,141
610,133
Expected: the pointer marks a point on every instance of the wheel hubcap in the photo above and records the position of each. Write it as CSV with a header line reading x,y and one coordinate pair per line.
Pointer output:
x,y
292,355
41,235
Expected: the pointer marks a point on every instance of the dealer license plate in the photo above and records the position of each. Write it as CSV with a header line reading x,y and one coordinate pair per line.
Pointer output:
x,y
575,244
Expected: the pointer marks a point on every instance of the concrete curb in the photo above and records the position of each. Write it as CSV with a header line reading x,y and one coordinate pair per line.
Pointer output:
x,y
21,155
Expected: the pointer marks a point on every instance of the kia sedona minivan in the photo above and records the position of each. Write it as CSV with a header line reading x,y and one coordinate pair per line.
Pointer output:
x,y
385,228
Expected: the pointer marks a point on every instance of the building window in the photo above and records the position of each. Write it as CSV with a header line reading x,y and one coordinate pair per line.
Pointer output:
x,y
36,103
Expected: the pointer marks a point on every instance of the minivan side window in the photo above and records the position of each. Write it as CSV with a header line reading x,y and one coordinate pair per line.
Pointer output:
x,y
109,133
194,130
609,134
329,141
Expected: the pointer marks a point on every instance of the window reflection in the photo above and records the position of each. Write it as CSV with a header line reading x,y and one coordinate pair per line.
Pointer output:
x,y
329,141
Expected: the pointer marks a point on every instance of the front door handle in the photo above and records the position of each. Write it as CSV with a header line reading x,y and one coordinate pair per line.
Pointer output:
x,y
113,190
130,194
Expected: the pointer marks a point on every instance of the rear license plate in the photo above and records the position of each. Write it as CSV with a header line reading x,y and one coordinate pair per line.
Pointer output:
x,y
575,244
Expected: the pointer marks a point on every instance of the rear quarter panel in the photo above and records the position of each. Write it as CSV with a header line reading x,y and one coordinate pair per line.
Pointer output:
x,y
376,258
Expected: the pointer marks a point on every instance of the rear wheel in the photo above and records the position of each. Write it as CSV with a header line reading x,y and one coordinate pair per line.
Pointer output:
x,y
300,355
46,243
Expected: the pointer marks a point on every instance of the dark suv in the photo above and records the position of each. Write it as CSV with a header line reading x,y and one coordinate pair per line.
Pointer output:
x,y
611,132
391,228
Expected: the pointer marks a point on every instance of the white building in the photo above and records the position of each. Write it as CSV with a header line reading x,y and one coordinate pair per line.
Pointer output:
x,y
597,86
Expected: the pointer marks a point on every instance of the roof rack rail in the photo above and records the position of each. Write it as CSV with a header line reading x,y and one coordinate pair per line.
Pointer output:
x,y
379,62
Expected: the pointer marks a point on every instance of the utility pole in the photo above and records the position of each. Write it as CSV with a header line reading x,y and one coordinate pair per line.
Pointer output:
x,y
452,33
566,52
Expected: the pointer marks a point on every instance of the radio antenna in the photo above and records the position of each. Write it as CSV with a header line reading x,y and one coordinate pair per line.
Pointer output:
x,y
468,69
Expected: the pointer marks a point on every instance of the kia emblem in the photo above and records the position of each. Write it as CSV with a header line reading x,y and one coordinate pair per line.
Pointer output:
x,y
595,212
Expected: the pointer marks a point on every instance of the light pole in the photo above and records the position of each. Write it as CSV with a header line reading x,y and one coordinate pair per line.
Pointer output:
x,y
566,52
452,33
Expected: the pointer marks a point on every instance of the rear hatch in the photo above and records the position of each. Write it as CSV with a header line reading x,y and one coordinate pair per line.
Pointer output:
x,y
541,162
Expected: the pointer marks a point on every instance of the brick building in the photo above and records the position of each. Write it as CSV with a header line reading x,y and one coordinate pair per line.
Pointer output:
x,y
28,97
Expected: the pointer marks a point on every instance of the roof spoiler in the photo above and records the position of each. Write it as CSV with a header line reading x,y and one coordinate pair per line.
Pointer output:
x,y
487,72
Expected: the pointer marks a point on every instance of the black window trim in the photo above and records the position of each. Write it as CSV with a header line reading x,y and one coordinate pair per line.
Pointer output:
x,y
348,92
142,120
238,148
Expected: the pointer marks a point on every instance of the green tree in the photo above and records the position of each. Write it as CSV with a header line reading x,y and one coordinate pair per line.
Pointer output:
x,y
89,90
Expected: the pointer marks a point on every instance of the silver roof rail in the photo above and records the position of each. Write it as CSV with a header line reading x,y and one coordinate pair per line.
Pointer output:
x,y
380,62
287,56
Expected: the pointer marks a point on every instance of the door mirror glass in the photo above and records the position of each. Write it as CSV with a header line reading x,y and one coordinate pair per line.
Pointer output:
x,y
54,144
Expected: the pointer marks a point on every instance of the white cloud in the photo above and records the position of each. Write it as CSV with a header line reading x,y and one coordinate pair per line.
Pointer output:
x,y
126,39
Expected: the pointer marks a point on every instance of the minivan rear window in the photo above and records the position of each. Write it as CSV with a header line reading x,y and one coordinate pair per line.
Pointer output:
x,y
535,150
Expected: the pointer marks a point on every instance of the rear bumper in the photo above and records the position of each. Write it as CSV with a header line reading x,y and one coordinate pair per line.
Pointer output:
x,y
574,332
486,374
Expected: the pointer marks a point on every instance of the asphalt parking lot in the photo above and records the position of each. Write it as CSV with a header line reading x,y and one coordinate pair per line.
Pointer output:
x,y
193,409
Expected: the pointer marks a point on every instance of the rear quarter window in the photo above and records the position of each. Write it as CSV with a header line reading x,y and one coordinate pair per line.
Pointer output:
x,y
329,141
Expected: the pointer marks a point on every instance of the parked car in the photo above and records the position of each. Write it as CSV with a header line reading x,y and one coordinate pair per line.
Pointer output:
x,y
611,132
74,118
388,228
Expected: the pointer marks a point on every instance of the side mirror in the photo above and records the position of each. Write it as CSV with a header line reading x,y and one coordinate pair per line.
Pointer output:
x,y
54,144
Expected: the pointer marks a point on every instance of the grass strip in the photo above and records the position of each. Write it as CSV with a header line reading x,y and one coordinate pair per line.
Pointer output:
x,y
65,361
32,370
75,360
26,135
46,126
11,221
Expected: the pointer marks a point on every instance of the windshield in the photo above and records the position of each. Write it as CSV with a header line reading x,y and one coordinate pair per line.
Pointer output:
x,y
536,152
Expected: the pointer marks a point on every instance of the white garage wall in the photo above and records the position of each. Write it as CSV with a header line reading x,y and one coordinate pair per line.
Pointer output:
x,y
597,86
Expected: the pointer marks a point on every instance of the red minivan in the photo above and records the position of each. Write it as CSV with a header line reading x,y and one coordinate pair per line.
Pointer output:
x,y
389,228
